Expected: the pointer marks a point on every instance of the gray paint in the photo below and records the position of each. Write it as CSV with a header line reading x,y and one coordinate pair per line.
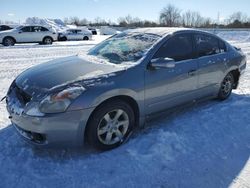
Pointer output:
x,y
153,90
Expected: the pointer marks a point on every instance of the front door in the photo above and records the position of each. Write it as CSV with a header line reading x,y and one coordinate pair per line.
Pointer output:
x,y
24,34
168,87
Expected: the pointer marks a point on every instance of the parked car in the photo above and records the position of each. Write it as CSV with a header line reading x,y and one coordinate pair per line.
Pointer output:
x,y
102,97
106,30
75,34
28,34
5,27
93,31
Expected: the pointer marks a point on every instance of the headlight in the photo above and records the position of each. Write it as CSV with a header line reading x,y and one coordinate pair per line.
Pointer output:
x,y
59,102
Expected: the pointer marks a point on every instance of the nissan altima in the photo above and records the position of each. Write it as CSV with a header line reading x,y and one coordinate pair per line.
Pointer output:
x,y
101,97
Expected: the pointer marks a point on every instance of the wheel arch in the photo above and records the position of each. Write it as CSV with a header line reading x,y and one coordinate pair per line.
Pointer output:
x,y
9,37
47,36
236,74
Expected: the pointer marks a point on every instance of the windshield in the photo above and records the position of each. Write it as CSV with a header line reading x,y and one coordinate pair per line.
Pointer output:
x,y
124,47
19,27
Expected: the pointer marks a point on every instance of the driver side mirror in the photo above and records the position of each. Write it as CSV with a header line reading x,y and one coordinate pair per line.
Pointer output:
x,y
162,63
19,32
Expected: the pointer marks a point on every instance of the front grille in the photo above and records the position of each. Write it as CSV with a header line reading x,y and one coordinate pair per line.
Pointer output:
x,y
21,95
32,136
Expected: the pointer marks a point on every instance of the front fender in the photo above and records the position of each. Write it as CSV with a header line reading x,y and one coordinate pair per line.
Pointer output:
x,y
90,99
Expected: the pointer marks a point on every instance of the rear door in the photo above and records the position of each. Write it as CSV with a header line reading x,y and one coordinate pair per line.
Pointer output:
x,y
79,34
37,33
71,34
168,87
211,52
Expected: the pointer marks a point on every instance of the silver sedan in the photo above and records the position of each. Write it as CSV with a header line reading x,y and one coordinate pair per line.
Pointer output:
x,y
101,97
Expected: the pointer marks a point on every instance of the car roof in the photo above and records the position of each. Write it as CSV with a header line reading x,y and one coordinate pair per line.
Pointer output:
x,y
162,31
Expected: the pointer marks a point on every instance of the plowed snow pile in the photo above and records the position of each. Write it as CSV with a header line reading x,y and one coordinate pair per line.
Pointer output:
x,y
203,146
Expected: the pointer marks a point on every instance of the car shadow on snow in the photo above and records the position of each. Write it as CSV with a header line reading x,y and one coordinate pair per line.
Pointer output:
x,y
203,145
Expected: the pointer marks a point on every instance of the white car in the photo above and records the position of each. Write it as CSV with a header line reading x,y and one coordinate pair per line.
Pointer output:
x,y
28,34
75,34
105,30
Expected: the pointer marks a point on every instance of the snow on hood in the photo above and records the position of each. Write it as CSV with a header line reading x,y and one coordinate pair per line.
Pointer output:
x,y
62,72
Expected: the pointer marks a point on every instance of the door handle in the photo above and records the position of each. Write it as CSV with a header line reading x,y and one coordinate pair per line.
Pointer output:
x,y
192,73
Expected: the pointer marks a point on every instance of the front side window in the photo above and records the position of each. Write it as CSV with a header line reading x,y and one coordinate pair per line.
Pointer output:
x,y
178,47
70,31
26,29
125,47
208,45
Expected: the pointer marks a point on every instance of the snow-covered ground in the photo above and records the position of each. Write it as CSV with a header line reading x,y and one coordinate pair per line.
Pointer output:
x,y
206,145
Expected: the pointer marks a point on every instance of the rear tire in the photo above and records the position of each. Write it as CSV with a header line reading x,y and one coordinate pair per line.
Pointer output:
x,y
47,41
63,39
226,87
110,125
8,41
85,38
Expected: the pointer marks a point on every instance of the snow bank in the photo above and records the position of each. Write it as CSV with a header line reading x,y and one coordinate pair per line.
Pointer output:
x,y
56,24
243,36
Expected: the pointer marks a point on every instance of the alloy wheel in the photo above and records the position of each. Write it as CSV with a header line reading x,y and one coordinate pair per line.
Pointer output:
x,y
113,127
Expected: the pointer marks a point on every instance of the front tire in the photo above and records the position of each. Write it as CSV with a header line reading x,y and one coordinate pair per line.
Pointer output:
x,y
226,87
110,125
8,41
47,41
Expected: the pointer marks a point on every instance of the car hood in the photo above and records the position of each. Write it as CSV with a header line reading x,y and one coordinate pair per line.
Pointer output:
x,y
7,31
62,72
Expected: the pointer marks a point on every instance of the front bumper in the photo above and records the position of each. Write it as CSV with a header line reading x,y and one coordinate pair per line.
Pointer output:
x,y
55,130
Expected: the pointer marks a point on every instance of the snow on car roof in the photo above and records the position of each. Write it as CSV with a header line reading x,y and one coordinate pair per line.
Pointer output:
x,y
161,31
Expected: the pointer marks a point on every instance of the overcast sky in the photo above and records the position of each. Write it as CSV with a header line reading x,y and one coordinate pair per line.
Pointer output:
x,y
15,10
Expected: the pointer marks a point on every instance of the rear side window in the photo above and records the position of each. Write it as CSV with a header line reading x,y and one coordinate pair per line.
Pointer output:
x,y
178,47
36,29
208,45
44,29
222,46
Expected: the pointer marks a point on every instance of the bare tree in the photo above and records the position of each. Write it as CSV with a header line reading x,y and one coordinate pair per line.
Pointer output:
x,y
73,20
237,16
192,19
84,22
129,21
170,16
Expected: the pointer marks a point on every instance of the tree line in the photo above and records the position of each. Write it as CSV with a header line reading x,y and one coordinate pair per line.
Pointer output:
x,y
170,16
